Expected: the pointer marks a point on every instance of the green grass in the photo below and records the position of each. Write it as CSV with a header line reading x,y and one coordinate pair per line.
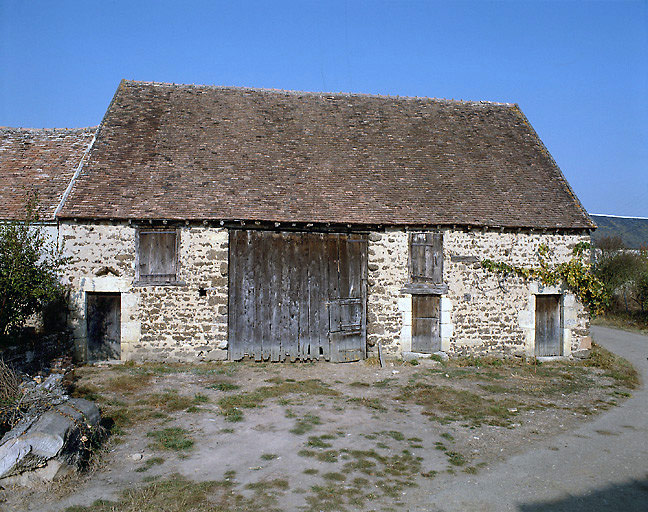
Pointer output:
x,y
172,438
305,424
224,386
269,456
178,494
148,464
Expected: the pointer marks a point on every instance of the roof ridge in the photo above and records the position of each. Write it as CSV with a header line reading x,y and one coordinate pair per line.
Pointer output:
x,y
316,93
53,130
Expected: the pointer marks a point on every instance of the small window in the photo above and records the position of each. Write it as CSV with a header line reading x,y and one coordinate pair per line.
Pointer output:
x,y
426,257
157,256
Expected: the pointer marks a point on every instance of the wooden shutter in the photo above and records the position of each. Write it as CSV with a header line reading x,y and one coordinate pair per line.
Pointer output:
x,y
426,257
157,256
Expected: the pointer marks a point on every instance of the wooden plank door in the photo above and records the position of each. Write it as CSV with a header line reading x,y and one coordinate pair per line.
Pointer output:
x,y
103,317
295,295
426,317
548,331
347,299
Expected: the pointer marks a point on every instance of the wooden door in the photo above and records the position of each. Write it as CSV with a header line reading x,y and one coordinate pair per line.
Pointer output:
x,y
548,331
426,317
103,316
295,295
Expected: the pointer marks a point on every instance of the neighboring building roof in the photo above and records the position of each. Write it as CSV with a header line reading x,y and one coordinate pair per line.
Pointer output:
x,y
188,152
40,160
633,231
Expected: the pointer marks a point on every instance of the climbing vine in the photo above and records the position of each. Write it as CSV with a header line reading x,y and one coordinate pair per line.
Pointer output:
x,y
576,274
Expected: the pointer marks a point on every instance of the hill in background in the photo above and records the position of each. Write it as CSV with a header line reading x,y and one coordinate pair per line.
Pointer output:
x,y
632,230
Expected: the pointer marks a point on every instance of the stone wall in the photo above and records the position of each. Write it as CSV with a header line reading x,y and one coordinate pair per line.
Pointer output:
x,y
163,322
481,311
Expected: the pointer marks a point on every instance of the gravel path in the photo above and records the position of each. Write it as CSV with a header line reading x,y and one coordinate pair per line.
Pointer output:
x,y
602,466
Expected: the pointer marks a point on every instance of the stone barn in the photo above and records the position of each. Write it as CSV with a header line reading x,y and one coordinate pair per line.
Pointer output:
x,y
214,222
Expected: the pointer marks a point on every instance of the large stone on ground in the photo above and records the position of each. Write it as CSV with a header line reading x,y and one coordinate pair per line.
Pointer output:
x,y
46,438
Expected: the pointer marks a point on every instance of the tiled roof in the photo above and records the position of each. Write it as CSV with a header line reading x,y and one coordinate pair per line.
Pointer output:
x,y
167,151
43,161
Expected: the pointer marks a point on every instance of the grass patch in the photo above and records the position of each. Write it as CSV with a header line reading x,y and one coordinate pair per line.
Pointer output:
x,y
148,464
199,398
449,404
269,456
178,494
255,398
224,386
370,403
128,383
614,366
173,438
305,424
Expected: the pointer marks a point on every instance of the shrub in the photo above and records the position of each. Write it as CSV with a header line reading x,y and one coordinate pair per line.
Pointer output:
x,y
29,265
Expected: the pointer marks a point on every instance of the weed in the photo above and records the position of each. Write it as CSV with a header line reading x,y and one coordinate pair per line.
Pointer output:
x,y
357,384
317,442
173,438
311,471
269,456
199,398
615,366
305,424
153,461
384,383
447,436
370,403
335,477
394,434
224,386
128,383
456,459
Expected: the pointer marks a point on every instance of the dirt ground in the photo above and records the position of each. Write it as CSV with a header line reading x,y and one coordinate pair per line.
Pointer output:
x,y
304,436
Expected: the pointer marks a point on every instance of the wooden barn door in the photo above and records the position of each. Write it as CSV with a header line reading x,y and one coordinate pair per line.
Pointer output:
x,y
548,332
297,296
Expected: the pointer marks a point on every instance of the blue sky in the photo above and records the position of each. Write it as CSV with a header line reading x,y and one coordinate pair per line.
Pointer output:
x,y
579,70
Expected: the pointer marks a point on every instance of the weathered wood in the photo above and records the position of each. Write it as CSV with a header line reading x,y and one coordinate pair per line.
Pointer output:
x,y
157,259
426,337
425,289
296,295
426,257
234,303
548,332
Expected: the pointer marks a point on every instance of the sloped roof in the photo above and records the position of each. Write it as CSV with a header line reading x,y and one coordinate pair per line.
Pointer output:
x,y
167,151
40,160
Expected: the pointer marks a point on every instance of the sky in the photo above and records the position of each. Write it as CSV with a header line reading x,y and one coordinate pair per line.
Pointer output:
x,y
577,69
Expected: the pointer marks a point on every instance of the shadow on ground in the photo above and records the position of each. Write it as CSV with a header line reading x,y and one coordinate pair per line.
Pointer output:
x,y
630,497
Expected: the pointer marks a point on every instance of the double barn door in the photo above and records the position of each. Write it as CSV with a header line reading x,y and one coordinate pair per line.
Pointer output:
x,y
297,296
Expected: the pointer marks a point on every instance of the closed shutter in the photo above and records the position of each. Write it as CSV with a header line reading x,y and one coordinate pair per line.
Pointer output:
x,y
426,257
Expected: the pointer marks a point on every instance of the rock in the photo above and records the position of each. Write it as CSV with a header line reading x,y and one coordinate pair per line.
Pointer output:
x,y
136,456
46,438
442,355
52,471
581,354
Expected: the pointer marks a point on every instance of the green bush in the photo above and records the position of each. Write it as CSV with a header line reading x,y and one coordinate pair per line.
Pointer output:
x,y
29,266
